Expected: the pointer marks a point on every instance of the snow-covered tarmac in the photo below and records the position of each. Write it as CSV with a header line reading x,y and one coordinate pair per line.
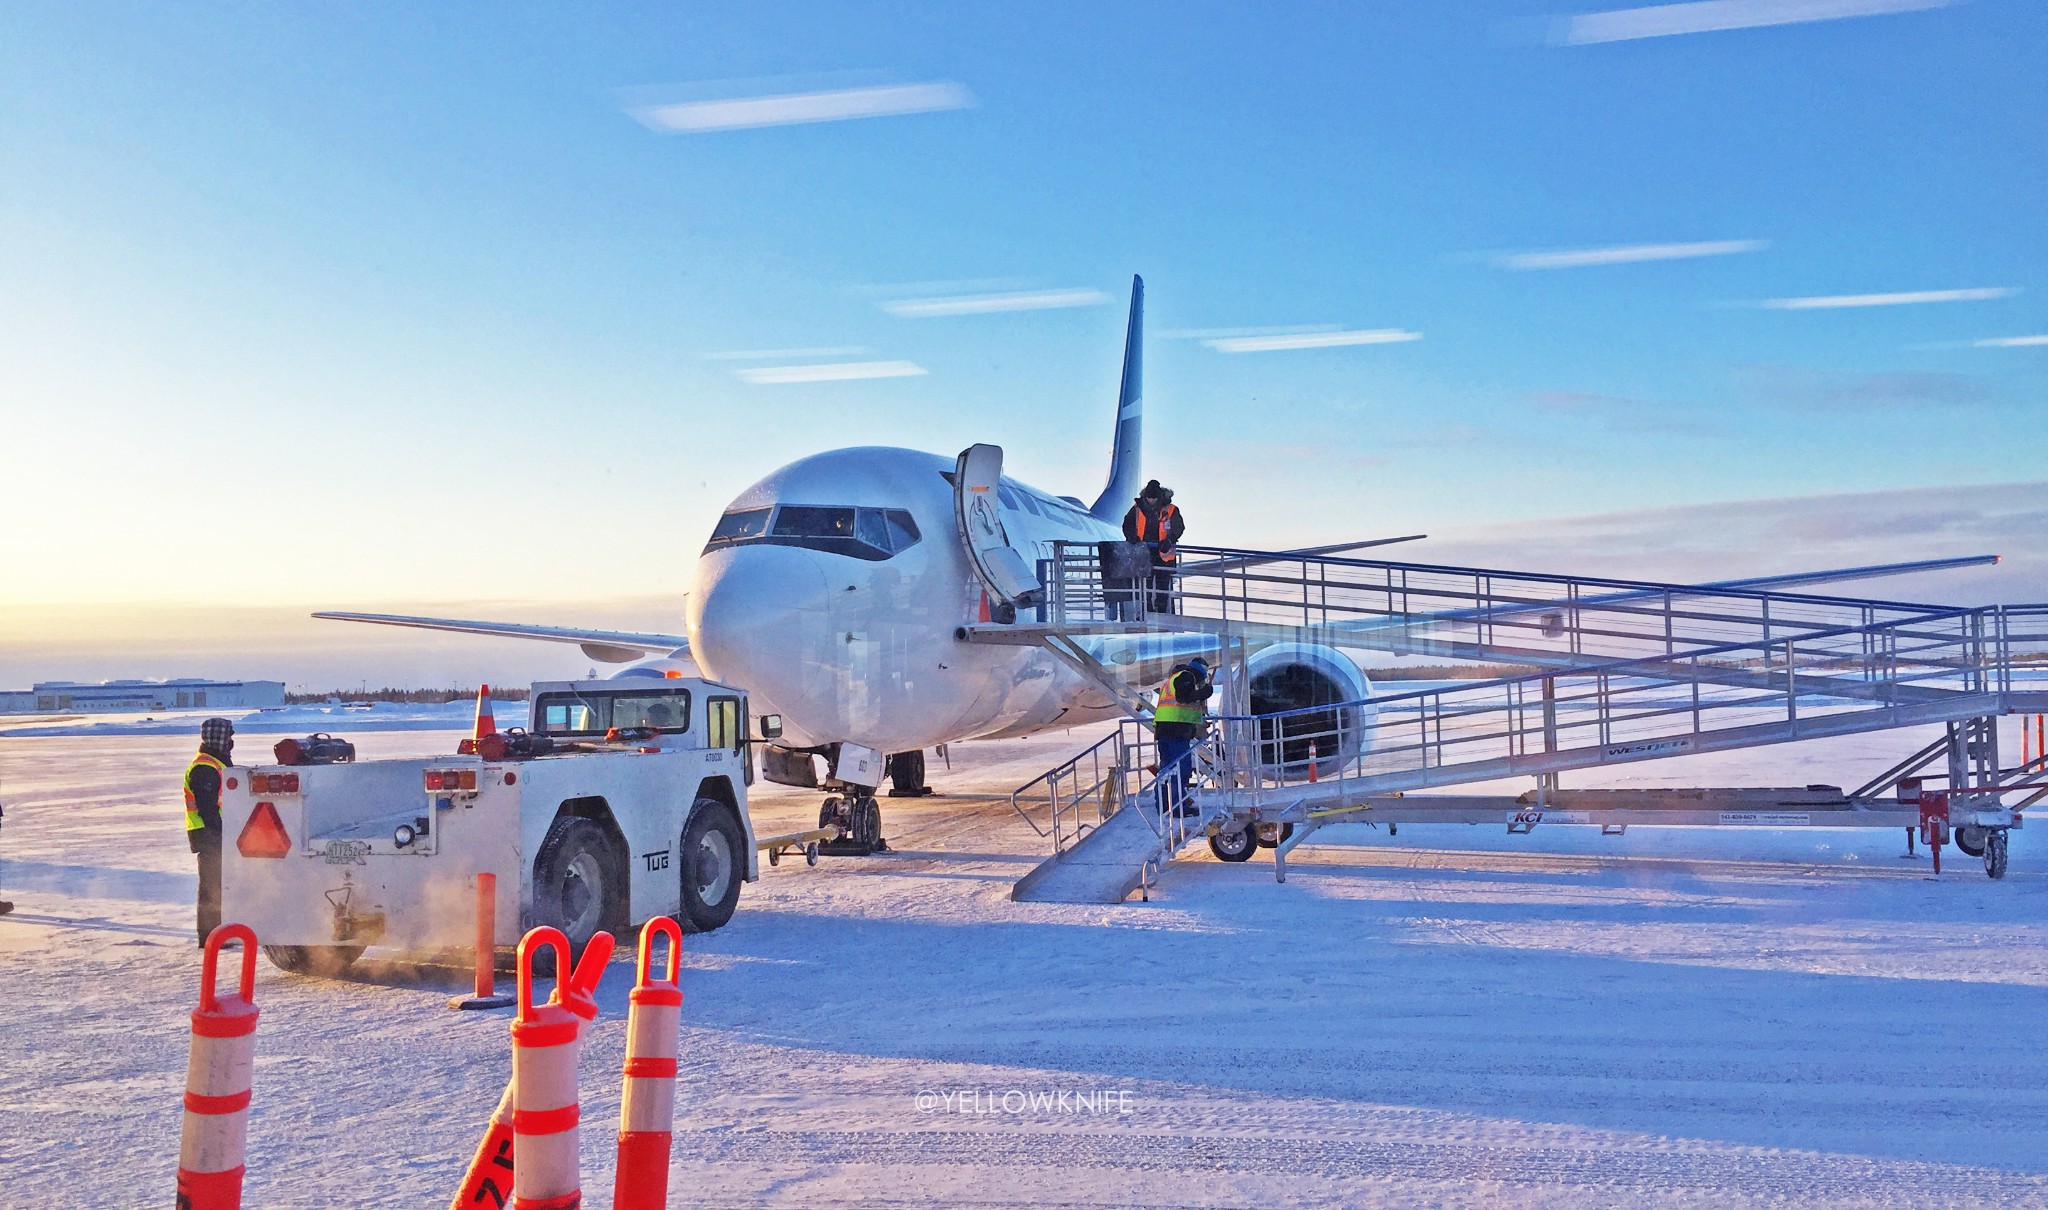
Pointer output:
x,y
1452,1017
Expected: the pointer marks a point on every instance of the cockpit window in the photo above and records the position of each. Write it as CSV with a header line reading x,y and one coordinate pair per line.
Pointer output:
x,y
808,521
873,534
740,524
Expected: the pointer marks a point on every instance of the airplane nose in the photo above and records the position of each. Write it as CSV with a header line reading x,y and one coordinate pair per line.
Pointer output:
x,y
758,616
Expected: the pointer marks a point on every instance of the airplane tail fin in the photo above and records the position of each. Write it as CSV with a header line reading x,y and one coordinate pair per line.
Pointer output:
x,y
1126,464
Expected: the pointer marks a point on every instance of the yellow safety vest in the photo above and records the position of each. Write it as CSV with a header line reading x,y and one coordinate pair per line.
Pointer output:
x,y
192,821
1171,709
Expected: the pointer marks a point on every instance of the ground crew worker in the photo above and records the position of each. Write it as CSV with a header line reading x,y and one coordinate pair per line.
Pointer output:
x,y
202,814
1177,721
1154,520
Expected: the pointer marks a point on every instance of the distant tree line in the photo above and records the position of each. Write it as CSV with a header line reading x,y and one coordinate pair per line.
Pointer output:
x,y
391,694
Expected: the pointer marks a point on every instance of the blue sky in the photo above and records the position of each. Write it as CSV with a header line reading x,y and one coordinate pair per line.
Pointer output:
x,y
378,273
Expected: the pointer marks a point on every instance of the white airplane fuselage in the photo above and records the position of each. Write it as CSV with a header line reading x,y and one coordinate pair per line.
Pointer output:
x,y
864,649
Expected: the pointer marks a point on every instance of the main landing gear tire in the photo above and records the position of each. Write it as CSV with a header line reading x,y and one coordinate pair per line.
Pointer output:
x,y
1994,852
906,775
713,866
1234,846
324,961
1970,839
1272,836
579,886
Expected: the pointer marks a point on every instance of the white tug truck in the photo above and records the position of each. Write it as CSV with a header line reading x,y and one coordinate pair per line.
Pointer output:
x,y
627,800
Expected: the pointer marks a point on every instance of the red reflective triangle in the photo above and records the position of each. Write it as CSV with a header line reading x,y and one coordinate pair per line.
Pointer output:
x,y
264,834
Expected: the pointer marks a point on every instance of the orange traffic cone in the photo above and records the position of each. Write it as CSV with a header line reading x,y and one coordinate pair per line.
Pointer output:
x,y
494,1165
647,1113
216,1134
486,722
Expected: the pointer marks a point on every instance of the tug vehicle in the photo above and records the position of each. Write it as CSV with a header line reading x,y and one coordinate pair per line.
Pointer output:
x,y
626,801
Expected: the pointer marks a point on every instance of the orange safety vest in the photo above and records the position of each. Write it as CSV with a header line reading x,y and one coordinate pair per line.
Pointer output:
x,y
192,820
1161,529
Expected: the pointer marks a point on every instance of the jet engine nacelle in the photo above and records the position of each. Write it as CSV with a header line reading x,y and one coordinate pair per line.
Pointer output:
x,y
1325,698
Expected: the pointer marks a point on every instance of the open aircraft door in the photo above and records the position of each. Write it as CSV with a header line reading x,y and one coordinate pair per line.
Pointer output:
x,y
976,505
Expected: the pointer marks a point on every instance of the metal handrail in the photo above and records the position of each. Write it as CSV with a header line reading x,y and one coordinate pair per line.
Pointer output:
x,y
1960,655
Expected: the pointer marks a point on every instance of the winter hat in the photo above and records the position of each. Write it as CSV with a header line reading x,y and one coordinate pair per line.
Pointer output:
x,y
1151,492
216,732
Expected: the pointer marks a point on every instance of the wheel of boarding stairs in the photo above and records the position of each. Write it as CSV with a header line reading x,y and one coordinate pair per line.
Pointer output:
x,y
1994,852
1970,839
1271,837
325,961
1234,846
712,867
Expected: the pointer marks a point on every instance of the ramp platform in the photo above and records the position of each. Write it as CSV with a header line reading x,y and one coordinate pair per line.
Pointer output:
x,y
1618,671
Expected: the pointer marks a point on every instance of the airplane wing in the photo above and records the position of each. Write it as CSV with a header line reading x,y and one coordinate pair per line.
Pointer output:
x,y
1239,562
1407,625
608,646
1871,572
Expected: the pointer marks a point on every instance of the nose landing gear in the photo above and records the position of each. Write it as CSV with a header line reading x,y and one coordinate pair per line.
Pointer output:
x,y
859,820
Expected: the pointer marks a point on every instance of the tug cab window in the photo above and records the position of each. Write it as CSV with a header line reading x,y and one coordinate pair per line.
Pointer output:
x,y
722,724
872,534
594,713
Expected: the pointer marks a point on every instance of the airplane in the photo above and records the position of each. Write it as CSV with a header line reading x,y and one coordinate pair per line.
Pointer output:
x,y
834,591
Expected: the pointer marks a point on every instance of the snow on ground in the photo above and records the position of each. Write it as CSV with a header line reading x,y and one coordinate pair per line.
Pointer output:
x,y
1450,1017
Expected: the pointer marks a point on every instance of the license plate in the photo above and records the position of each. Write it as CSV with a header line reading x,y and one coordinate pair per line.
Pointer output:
x,y
348,852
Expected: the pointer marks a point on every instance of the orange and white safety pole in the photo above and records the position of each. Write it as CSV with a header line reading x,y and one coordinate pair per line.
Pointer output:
x,y
647,1112
546,1040
217,1078
493,1165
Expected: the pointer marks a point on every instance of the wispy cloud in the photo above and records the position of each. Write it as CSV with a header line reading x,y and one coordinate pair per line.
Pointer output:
x,y
1622,412
1211,333
1628,254
1712,541
797,108
842,371
785,354
1803,389
1311,340
1711,16
1910,389
2010,342
1826,302
985,304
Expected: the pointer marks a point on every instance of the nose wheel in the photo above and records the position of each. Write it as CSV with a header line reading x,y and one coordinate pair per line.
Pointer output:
x,y
858,819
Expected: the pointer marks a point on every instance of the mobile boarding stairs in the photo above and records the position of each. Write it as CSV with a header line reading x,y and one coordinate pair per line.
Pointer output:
x,y
1620,671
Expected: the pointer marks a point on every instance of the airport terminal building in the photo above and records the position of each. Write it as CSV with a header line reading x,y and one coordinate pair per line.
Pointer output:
x,y
106,697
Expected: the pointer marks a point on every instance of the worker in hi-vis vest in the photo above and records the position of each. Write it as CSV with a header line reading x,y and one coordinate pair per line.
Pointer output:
x,y
1154,520
202,814
1177,721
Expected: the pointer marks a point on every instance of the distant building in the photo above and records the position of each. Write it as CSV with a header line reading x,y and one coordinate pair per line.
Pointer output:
x,y
189,693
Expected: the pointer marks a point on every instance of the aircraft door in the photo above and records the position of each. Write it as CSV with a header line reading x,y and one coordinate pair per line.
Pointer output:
x,y
976,505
